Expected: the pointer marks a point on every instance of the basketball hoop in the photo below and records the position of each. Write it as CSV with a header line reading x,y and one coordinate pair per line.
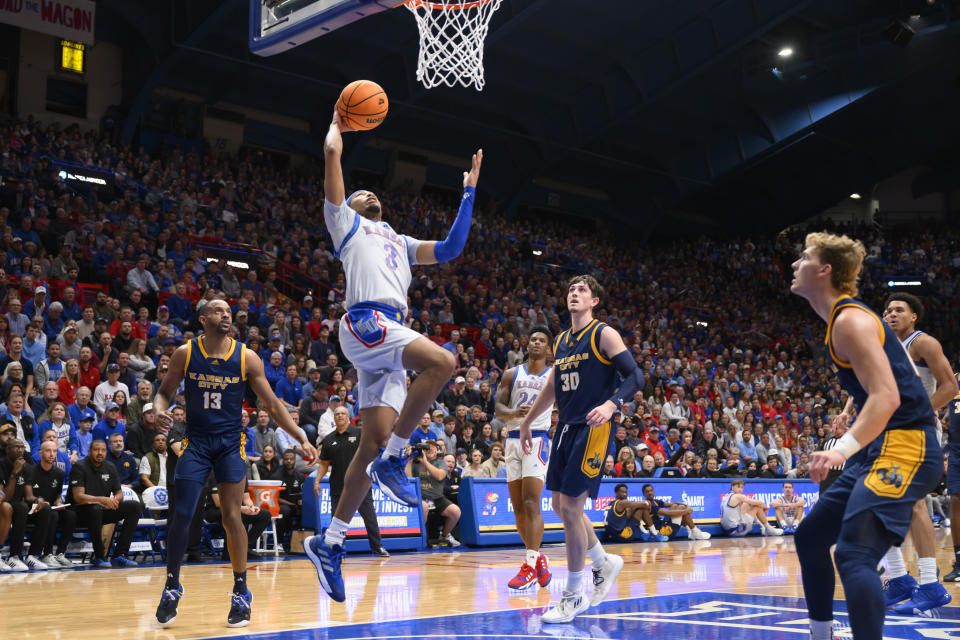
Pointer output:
x,y
451,40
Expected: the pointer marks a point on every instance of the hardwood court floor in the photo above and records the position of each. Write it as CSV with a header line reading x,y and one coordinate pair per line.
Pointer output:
x,y
722,588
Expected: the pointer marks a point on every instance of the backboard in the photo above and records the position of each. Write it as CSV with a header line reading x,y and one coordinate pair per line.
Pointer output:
x,y
278,25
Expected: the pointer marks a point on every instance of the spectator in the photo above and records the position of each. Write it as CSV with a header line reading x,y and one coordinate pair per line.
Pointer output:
x,y
268,466
264,433
288,388
139,279
49,369
138,361
97,497
495,465
89,371
68,384
290,498
16,320
647,467
23,422
37,305
44,488
254,519
55,419
124,462
110,424
424,432
86,325
136,405
82,407
448,435
475,469
141,434
432,478
153,465
105,391
454,397
84,436
40,404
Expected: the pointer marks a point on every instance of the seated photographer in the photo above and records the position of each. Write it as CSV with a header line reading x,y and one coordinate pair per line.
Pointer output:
x,y
433,474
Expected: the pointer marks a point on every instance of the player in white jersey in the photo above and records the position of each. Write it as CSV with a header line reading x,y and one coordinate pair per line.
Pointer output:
x,y
902,312
519,388
376,261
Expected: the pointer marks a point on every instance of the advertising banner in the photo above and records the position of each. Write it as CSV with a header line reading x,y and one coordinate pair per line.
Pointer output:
x,y
73,20
487,510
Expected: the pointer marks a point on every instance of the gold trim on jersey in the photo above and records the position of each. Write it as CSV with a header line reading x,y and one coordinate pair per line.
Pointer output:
x,y
618,513
243,445
595,346
595,451
834,311
243,363
203,351
189,351
893,470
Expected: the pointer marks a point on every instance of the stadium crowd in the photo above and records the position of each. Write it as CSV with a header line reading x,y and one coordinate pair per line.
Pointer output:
x,y
98,288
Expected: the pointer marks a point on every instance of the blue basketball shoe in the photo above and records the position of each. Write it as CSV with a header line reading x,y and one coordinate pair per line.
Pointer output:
x,y
391,477
899,589
925,597
239,615
327,560
167,610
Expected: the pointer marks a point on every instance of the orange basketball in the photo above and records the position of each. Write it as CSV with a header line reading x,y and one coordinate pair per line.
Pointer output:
x,y
362,105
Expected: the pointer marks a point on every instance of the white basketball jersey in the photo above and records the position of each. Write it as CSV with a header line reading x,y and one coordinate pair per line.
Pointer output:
x,y
524,391
376,259
926,376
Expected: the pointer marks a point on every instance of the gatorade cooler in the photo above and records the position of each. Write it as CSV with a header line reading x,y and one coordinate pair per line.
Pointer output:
x,y
264,494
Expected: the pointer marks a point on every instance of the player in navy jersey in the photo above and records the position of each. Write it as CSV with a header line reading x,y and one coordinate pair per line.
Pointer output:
x,y
215,370
953,481
587,359
891,454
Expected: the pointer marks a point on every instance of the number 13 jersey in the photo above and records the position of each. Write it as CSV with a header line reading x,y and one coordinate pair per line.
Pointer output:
x,y
584,377
214,389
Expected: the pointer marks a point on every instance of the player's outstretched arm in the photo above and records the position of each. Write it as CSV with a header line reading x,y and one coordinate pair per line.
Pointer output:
x,y
929,348
543,403
333,189
168,388
432,252
856,339
269,401
612,344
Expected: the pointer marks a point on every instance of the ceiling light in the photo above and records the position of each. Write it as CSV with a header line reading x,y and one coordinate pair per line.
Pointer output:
x,y
855,196
786,52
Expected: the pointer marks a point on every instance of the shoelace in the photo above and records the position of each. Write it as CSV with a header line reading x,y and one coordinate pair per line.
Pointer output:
x,y
168,595
238,600
526,571
597,577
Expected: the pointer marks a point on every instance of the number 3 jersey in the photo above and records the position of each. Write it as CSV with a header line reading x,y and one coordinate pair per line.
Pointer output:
x,y
214,390
524,390
376,259
584,378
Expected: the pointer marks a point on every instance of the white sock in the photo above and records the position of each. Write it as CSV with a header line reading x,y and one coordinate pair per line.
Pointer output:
x,y
574,581
821,630
532,557
895,564
597,555
928,570
395,446
336,532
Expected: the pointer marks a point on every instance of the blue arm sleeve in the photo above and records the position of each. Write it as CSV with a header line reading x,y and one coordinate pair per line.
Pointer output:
x,y
632,378
449,249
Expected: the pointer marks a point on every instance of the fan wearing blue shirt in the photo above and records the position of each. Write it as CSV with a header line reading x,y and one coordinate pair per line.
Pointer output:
x,y
110,424
288,388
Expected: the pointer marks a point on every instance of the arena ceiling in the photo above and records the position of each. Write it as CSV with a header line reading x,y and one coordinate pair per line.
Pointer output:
x,y
668,111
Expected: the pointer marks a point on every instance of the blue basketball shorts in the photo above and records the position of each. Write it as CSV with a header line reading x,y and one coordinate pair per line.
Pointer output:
x,y
577,454
226,455
887,478
953,469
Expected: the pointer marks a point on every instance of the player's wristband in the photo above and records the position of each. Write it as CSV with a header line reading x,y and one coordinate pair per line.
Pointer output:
x,y
847,445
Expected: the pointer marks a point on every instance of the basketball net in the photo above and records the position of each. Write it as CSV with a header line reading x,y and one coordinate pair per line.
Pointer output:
x,y
451,41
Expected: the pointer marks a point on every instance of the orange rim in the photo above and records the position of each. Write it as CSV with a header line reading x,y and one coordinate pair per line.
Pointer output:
x,y
445,6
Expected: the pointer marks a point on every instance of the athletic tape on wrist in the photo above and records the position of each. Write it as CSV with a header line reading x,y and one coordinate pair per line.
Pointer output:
x,y
847,445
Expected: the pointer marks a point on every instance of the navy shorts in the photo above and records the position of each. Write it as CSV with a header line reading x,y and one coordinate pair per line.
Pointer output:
x,y
887,478
953,469
666,526
577,454
225,455
631,531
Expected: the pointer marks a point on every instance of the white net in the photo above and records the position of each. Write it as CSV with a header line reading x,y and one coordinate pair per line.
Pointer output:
x,y
451,41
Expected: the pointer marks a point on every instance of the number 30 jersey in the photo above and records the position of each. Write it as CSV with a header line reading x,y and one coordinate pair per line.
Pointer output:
x,y
376,259
214,390
584,377
524,390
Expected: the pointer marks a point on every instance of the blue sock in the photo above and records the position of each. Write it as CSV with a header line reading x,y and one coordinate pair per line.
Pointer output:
x,y
240,582
178,529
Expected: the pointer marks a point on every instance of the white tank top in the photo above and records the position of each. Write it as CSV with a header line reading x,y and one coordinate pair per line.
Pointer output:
x,y
524,391
376,259
926,376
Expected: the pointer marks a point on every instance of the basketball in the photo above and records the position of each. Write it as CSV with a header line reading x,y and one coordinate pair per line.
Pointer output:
x,y
362,105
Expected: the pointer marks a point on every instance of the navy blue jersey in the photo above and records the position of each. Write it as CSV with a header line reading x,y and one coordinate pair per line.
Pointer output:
x,y
915,410
214,389
616,518
584,377
954,409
